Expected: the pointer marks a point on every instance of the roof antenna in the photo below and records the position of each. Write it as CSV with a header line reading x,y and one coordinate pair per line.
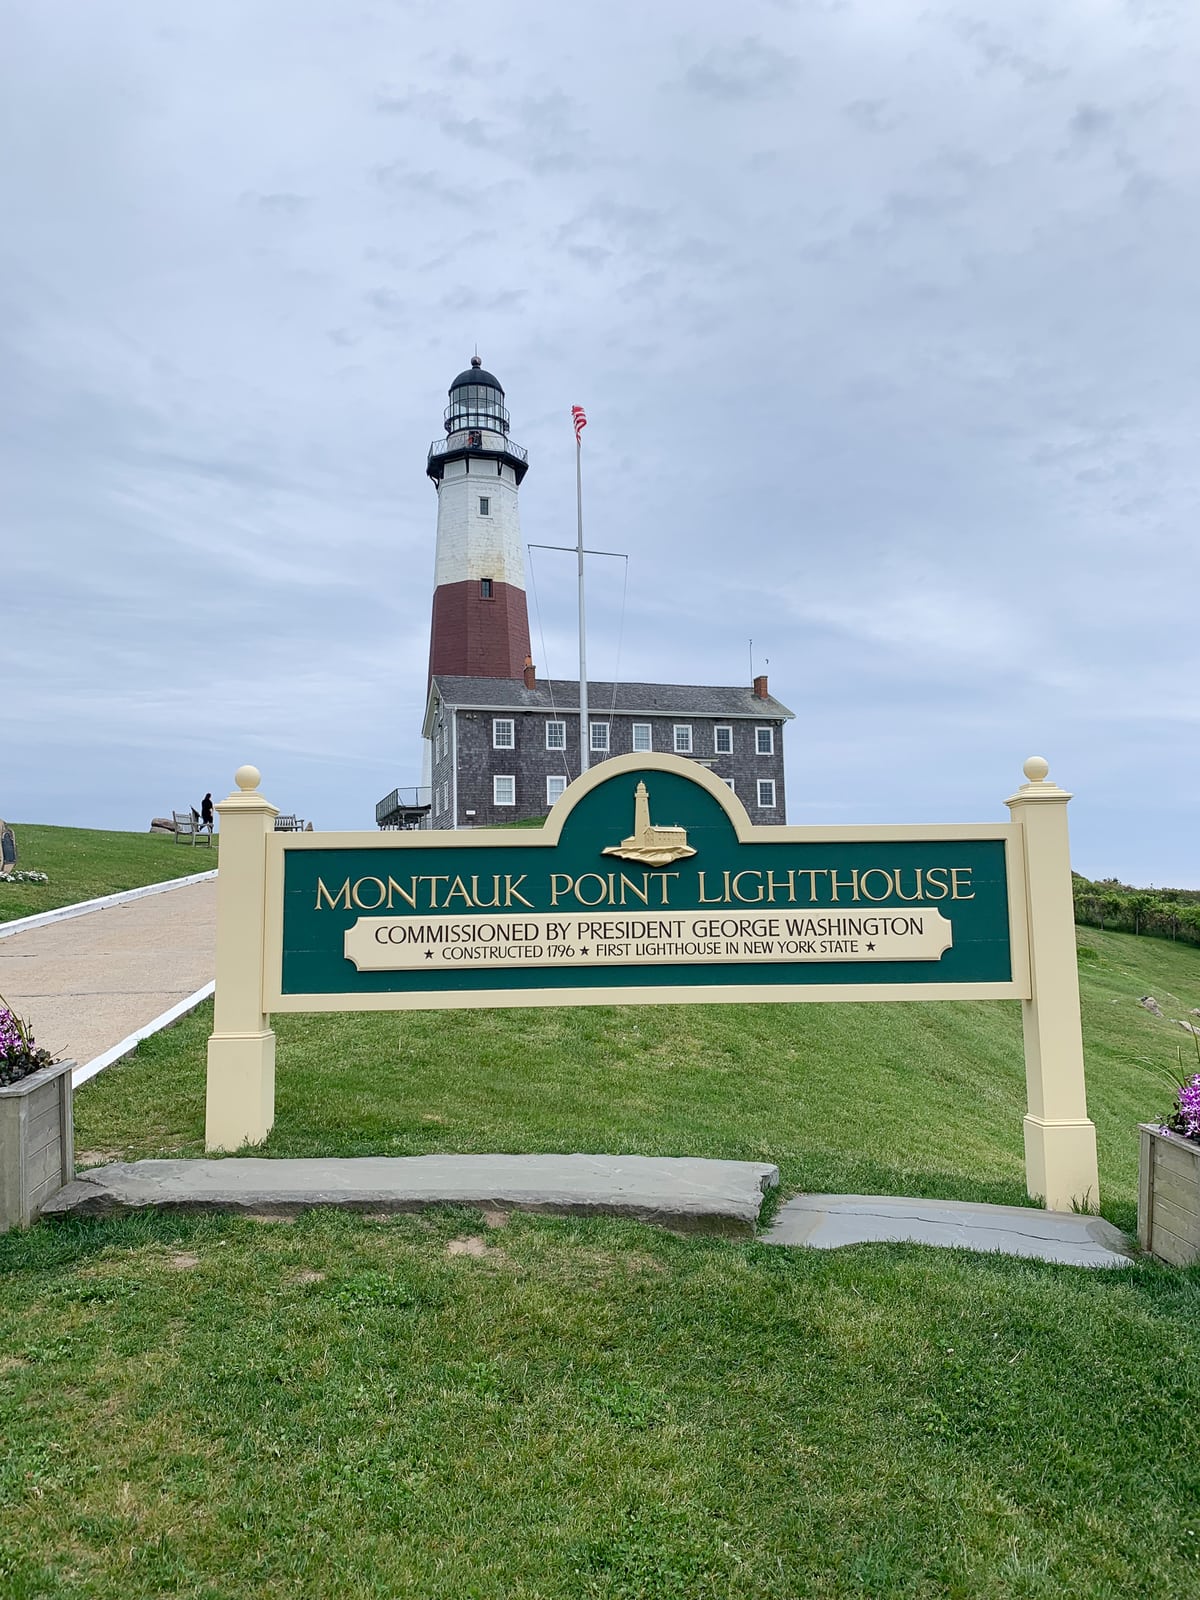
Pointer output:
x,y
752,661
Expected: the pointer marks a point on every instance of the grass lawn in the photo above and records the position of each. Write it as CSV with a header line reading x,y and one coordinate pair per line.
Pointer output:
x,y
83,863
921,1099
426,1406
429,1406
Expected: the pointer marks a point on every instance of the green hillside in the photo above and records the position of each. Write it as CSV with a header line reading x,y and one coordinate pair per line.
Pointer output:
x,y
84,863
918,1099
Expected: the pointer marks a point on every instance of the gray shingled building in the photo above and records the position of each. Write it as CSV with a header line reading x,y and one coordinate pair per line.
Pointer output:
x,y
504,749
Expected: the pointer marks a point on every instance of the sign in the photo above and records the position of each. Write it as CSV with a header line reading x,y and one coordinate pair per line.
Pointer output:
x,y
648,883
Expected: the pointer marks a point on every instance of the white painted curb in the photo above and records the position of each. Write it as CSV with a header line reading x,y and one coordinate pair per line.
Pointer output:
x,y
129,1044
83,907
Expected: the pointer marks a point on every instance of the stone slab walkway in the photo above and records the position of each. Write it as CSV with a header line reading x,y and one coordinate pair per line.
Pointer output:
x,y
89,982
827,1221
676,1192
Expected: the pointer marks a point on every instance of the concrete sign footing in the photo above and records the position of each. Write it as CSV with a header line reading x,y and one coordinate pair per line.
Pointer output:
x,y
828,1221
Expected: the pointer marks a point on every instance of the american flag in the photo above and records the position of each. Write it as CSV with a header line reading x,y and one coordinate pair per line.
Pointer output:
x,y
579,418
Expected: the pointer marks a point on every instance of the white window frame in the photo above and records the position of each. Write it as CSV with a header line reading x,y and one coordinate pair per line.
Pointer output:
x,y
603,729
732,785
485,505
768,784
504,722
758,741
504,777
555,777
553,722
682,747
648,729
445,797
720,728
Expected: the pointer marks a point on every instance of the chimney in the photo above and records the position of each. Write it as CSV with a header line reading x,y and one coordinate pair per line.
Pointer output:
x,y
760,687
531,674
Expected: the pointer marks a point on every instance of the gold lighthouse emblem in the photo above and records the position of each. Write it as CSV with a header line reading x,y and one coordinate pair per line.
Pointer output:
x,y
657,847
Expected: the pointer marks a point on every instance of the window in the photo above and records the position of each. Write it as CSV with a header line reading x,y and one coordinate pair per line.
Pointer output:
x,y
766,793
600,737
485,589
723,741
554,788
445,797
556,736
504,790
683,739
731,784
503,733
764,743
641,736
484,506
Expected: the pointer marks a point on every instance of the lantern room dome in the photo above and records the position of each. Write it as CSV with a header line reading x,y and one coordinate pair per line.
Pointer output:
x,y
475,374
476,402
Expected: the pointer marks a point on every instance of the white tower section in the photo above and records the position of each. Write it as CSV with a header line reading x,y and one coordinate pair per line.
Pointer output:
x,y
478,522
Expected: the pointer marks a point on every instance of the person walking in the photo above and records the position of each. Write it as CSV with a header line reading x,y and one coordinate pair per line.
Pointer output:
x,y
206,812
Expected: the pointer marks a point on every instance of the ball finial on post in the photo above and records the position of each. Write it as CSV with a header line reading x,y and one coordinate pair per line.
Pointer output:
x,y
1036,768
247,778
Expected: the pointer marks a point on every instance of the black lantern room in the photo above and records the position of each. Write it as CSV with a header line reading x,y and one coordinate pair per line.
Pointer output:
x,y
476,410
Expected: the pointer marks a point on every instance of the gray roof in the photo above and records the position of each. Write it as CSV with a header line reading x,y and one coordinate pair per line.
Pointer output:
x,y
654,699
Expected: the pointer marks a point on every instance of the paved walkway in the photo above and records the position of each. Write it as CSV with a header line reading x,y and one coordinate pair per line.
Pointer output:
x,y
89,982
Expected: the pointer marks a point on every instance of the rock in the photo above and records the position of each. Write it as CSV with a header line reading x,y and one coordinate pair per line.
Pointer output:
x,y
161,825
680,1192
1150,1004
1191,1027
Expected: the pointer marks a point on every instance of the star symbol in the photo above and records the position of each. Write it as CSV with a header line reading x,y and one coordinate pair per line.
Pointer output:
x,y
583,949
870,947
429,955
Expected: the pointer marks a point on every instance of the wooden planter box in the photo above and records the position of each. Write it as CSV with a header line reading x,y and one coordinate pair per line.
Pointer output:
x,y
1169,1196
37,1143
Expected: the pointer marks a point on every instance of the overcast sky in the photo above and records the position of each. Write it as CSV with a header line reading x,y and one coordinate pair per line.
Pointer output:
x,y
883,313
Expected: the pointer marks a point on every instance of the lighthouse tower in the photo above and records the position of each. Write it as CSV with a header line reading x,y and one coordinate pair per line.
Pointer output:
x,y
480,625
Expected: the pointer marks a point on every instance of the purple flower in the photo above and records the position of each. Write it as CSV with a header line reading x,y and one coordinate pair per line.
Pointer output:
x,y
1185,1118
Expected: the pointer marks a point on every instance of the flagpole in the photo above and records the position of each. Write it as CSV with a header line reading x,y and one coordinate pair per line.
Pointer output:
x,y
584,740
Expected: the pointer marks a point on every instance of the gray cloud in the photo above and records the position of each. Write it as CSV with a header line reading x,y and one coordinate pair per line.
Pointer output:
x,y
283,205
883,327
745,71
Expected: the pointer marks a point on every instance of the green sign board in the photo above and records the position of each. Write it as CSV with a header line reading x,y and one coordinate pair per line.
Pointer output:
x,y
647,883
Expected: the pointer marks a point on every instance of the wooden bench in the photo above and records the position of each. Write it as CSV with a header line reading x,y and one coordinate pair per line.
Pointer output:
x,y
289,824
189,826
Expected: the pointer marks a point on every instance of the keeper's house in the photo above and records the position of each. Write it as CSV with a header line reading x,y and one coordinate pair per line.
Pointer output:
x,y
505,748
